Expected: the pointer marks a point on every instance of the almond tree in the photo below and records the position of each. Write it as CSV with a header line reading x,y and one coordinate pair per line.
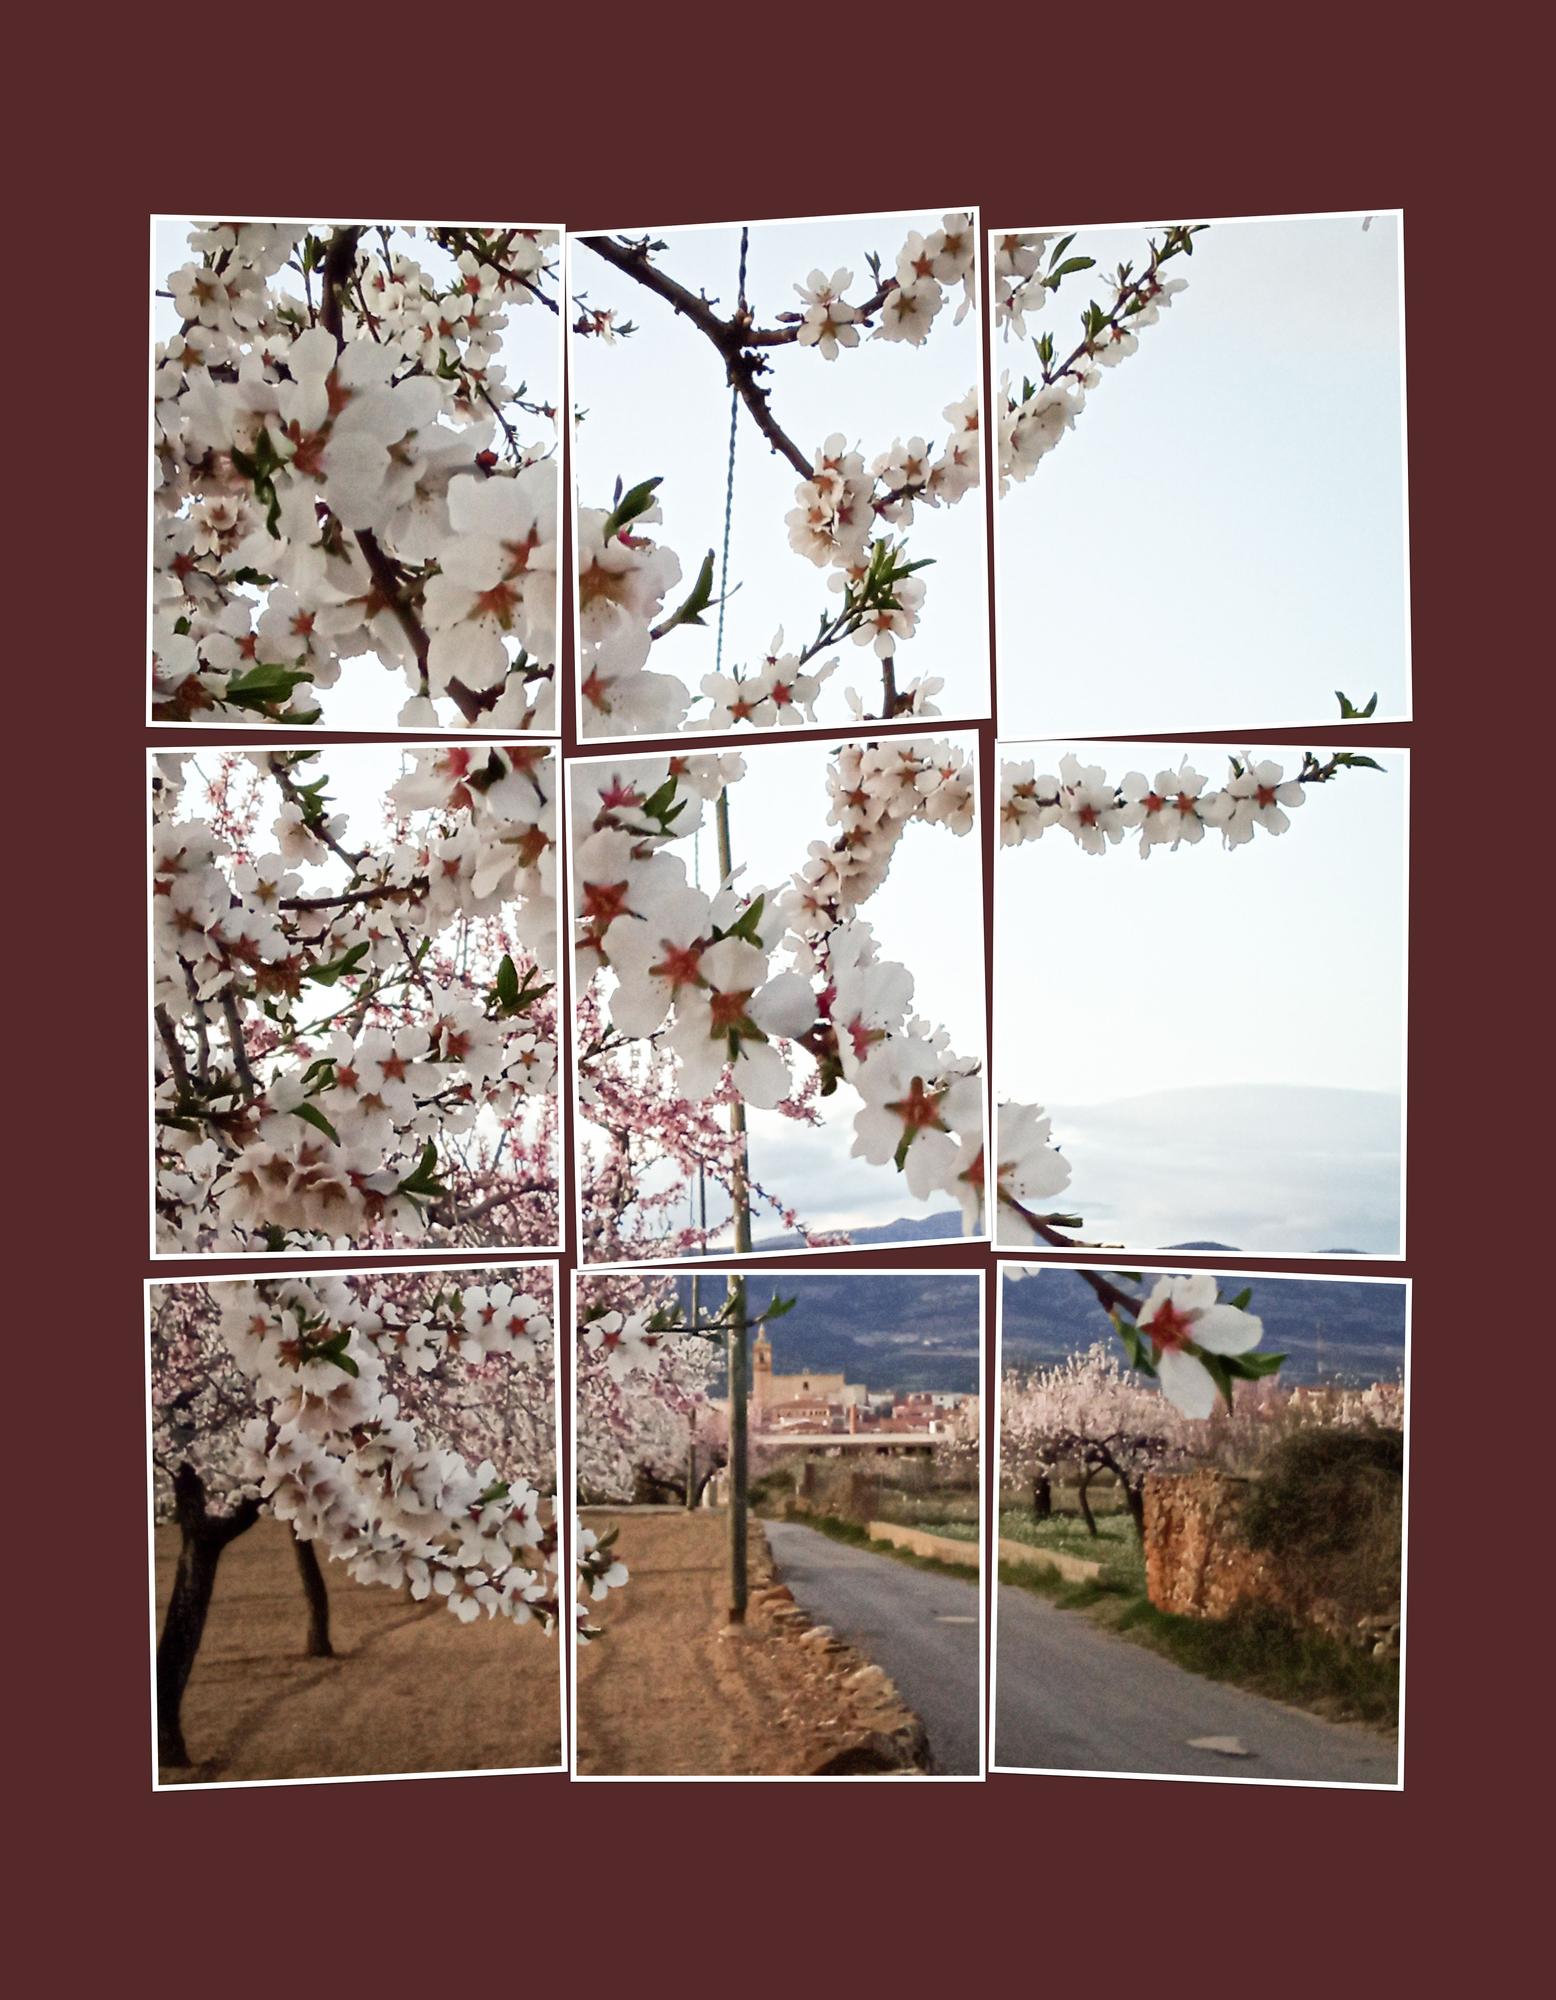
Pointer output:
x,y
851,512
354,1034
269,1397
349,468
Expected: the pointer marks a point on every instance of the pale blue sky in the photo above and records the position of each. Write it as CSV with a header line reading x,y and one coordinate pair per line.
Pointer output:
x,y
1215,984
1219,543
658,403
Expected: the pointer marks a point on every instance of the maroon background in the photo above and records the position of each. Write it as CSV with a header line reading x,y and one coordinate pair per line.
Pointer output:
x,y
777,115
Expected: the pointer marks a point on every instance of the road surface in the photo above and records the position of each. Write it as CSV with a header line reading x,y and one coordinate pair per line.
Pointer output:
x,y
920,1627
1070,1696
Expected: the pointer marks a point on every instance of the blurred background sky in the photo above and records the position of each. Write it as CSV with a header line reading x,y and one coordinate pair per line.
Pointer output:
x,y
1218,1035
1220,541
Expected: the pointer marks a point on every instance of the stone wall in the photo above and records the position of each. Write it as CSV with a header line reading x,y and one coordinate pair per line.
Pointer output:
x,y
919,1542
1197,1564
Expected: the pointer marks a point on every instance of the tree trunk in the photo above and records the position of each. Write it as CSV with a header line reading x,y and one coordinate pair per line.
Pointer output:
x,y
202,1537
1042,1497
1080,1493
319,1647
1134,1493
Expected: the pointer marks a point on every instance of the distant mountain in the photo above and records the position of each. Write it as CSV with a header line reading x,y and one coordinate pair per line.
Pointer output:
x,y
891,1329
1277,1168
946,1222
1330,1328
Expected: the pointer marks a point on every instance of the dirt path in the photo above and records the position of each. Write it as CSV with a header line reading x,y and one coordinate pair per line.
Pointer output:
x,y
410,1688
664,1693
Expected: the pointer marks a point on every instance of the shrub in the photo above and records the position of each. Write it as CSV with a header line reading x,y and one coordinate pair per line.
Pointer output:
x,y
1329,1506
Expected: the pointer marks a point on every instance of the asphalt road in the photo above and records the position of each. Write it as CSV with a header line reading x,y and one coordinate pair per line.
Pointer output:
x,y
920,1627
1071,1697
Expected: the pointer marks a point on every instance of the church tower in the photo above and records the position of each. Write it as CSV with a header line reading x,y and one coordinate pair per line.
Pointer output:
x,y
761,1368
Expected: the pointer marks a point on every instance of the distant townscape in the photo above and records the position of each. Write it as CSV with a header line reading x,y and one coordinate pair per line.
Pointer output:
x,y
815,1405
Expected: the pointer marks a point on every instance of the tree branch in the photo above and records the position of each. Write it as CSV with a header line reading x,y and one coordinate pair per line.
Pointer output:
x,y
734,338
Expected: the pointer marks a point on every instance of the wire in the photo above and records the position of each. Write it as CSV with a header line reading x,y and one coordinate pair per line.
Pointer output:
x,y
729,471
718,644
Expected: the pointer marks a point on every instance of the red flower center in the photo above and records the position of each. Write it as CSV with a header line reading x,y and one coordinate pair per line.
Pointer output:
x,y
1171,1329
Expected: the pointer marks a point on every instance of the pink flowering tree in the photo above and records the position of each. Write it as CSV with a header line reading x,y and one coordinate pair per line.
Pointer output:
x,y
643,1367
852,509
354,1032
642,1402
403,1424
770,997
352,473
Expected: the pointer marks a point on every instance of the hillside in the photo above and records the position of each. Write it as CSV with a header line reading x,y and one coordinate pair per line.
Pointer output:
x,y
890,1329
1329,1328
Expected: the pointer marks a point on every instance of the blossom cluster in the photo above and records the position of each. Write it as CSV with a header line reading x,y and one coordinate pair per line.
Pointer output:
x,y
347,1049
849,513
1169,810
904,304
339,474
1029,267
332,1454
734,983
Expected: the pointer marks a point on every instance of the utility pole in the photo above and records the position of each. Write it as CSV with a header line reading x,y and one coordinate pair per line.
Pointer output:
x,y
691,1414
738,1340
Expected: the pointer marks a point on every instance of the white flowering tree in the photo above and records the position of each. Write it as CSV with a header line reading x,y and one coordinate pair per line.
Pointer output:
x,y
1092,1413
354,1035
851,511
351,472
751,996
403,1424
1030,268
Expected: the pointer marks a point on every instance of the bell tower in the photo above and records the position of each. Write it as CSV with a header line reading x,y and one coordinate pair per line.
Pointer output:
x,y
761,1368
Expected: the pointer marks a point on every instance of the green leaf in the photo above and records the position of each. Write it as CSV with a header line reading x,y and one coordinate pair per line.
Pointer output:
x,y
1059,249
1250,1367
422,1184
627,509
1216,1368
697,601
264,685
328,975
310,1114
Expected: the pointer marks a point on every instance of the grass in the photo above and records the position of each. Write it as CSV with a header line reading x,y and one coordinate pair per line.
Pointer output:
x,y
953,1531
1259,1649
857,1537
938,1513
1115,1544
